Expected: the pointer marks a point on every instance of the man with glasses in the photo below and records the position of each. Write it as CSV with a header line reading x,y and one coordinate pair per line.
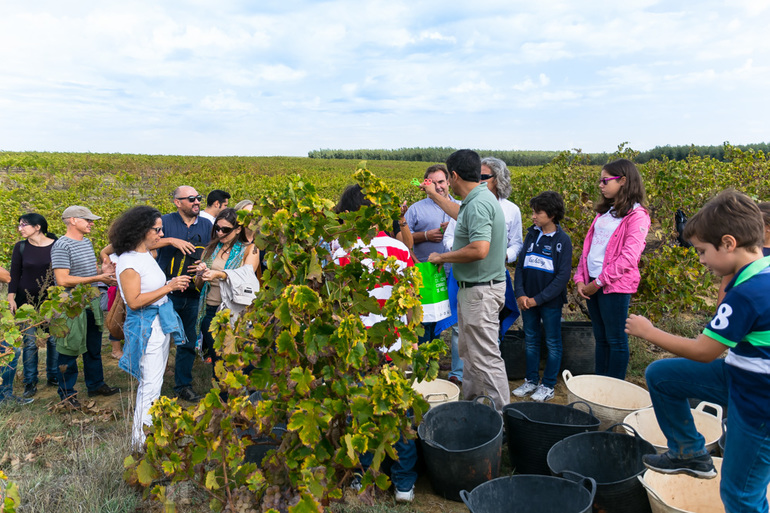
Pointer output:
x,y
74,263
185,234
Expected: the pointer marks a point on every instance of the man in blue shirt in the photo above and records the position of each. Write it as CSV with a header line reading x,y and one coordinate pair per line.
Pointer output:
x,y
185,236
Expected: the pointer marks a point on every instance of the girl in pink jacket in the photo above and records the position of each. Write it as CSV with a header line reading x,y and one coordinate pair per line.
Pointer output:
x,y
608,271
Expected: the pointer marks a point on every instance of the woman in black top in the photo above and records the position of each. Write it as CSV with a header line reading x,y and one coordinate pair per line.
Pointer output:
x,y
31,275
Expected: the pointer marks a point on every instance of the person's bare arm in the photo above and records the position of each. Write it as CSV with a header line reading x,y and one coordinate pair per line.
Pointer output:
x,y
702,349
182,245
477,250
64,279
131,284
447,205
5,276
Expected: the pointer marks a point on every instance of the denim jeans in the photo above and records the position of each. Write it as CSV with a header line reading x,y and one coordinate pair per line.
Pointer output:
x,y
30,359
187,308
93,373
8,372
551,319
403,471
430,333
746,465
457,362
608,319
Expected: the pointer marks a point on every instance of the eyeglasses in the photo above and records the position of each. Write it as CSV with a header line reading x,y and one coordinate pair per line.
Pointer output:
x,y
192,199
487,177
605,181
158,229
22,225
224,229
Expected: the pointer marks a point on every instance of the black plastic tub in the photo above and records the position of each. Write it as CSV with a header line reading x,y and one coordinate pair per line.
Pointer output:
x,y
533,428
462,446
613,460
531,494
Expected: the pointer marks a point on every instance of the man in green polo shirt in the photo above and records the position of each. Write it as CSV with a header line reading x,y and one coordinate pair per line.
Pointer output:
x,y
478,259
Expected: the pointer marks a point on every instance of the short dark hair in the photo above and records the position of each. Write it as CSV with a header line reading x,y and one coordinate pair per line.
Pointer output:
x,y
216,195
131,228
467,165
436,167
729,213
628,195
764,207
549,202
35,219
351,200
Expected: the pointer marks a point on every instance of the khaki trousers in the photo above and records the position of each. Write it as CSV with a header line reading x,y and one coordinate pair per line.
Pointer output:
x,y
478,310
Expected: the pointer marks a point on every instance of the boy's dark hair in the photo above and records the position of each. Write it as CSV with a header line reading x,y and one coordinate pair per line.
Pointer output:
x,y
351,200
764,207
630,193
729,213
216,195
436,167
467,165
549,202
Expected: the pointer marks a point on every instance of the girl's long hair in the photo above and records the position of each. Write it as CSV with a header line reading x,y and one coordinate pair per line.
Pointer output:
x,y
231,216
630,193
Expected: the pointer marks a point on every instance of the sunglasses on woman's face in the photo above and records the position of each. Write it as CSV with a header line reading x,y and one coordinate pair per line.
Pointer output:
x,y
157,229
605,181
224,229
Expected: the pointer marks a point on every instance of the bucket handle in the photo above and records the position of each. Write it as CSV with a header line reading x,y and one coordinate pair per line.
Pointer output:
x,y
713,406
566,375
441,394
476,400
466,497
435,444
590,410
650,489
588,483
516,414
627,426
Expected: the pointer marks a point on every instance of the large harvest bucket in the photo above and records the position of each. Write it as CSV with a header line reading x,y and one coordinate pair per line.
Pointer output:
x,y
710,426
531,494
462,446
611,399
533,428
578,347
614,460
437,392
680,493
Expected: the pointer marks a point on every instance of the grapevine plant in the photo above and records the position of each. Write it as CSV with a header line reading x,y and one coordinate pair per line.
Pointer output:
x,y
319,372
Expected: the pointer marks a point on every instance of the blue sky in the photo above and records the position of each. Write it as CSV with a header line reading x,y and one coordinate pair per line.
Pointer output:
x,y
282,78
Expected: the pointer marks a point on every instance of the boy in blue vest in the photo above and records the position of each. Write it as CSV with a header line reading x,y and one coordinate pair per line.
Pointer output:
x,y
727,233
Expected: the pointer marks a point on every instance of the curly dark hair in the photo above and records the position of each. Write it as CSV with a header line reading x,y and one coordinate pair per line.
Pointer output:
x,y
131,228
549,202
351,200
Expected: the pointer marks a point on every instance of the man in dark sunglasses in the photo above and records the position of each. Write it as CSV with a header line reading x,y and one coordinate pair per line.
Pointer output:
x,y
185,234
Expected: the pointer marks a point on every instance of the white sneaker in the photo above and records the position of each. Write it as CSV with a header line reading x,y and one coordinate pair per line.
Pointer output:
x,y
542,394
524,390
355,484
407,496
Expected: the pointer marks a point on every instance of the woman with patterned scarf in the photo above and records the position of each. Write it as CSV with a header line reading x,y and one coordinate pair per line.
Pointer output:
x,y
229,249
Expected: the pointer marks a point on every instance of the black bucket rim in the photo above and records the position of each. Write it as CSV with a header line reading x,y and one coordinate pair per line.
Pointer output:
x,y
579,484
436,409
511,406
602,484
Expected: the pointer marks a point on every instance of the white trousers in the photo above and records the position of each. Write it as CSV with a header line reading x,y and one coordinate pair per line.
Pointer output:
x,y
151,368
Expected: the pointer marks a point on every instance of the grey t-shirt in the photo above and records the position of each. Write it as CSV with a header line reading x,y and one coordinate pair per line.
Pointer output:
x,y
76,255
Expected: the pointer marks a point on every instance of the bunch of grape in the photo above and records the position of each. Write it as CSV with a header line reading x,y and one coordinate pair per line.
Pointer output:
x,y
274,499
243,501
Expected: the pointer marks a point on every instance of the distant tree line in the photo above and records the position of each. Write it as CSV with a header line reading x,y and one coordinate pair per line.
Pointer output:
x,y
530,158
